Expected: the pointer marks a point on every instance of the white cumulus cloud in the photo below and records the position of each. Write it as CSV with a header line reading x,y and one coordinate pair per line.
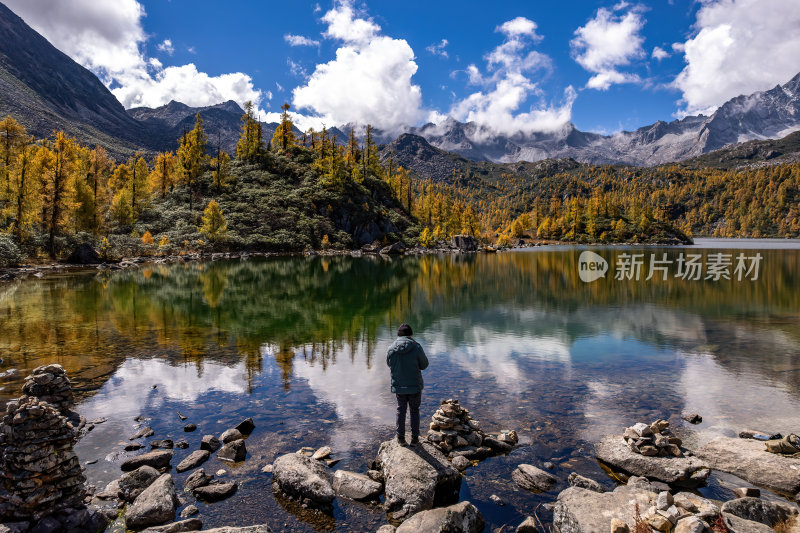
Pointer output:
x,y
739,47
508,84
166,47
659,53
438,49
107,37
299,40
369,81
607,42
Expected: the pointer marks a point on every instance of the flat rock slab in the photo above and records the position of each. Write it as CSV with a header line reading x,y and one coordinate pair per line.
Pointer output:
x,y
416,478
580,510
459,518
302,477
687,471
750,460
156,459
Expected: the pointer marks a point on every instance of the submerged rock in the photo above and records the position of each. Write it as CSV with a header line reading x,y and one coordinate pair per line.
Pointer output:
x,y
687,471
749,460
302,477
154,506
416,478
459,518
530,478
355,486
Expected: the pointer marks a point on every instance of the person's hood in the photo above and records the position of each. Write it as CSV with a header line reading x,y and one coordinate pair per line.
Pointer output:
x,y
402,345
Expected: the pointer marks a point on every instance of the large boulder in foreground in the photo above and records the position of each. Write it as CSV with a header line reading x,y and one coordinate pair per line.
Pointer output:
x,y
302,477
580,510
750,460
416,478
156,505
459,518
683,471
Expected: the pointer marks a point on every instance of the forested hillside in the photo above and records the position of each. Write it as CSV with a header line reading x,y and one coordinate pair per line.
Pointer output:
x,y
283,194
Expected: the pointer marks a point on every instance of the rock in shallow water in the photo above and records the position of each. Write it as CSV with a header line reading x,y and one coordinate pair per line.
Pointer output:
x,y
156,459
132,484
263,528
459,518
689,471
215,492
302,477
233,452
355,486
210,443
198,478
416,478
155,505
193,460
749,460
530,478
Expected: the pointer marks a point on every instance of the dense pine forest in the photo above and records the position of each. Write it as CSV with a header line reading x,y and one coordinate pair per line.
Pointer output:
x,y
293,193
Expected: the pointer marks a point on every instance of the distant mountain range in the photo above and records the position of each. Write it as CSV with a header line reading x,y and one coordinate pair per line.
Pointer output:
x,y
762,115
46,90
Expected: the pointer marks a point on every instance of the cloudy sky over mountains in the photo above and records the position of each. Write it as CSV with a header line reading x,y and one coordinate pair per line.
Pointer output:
x,y
522,65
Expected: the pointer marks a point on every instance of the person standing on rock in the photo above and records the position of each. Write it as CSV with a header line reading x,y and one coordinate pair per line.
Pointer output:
x,y
407,360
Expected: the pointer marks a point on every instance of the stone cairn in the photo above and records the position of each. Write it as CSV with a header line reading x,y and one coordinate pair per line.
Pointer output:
x,y
40,474
455,433
50,384
653,440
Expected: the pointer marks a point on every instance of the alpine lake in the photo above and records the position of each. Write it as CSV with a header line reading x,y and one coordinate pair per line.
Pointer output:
x,y
299,344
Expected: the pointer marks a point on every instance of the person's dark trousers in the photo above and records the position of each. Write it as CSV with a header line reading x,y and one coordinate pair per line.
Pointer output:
x,y
403,402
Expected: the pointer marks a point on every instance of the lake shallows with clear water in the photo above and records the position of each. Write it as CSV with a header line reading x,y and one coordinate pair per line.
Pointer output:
x,y
299,344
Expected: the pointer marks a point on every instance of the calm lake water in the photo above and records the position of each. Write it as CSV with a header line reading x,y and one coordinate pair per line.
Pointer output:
x,y
299,345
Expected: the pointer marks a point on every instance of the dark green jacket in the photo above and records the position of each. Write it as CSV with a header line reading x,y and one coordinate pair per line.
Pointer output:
x,y
407,359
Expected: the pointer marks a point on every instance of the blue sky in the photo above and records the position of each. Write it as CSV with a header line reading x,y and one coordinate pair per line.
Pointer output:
x,y
511,65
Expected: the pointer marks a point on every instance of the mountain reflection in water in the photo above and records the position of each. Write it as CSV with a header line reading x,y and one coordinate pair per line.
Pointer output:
x,y
299,344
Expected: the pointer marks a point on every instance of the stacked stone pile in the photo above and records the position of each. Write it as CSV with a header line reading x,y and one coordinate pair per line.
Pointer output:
x,y
39,472
50,384
456,433
452,428
653,440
